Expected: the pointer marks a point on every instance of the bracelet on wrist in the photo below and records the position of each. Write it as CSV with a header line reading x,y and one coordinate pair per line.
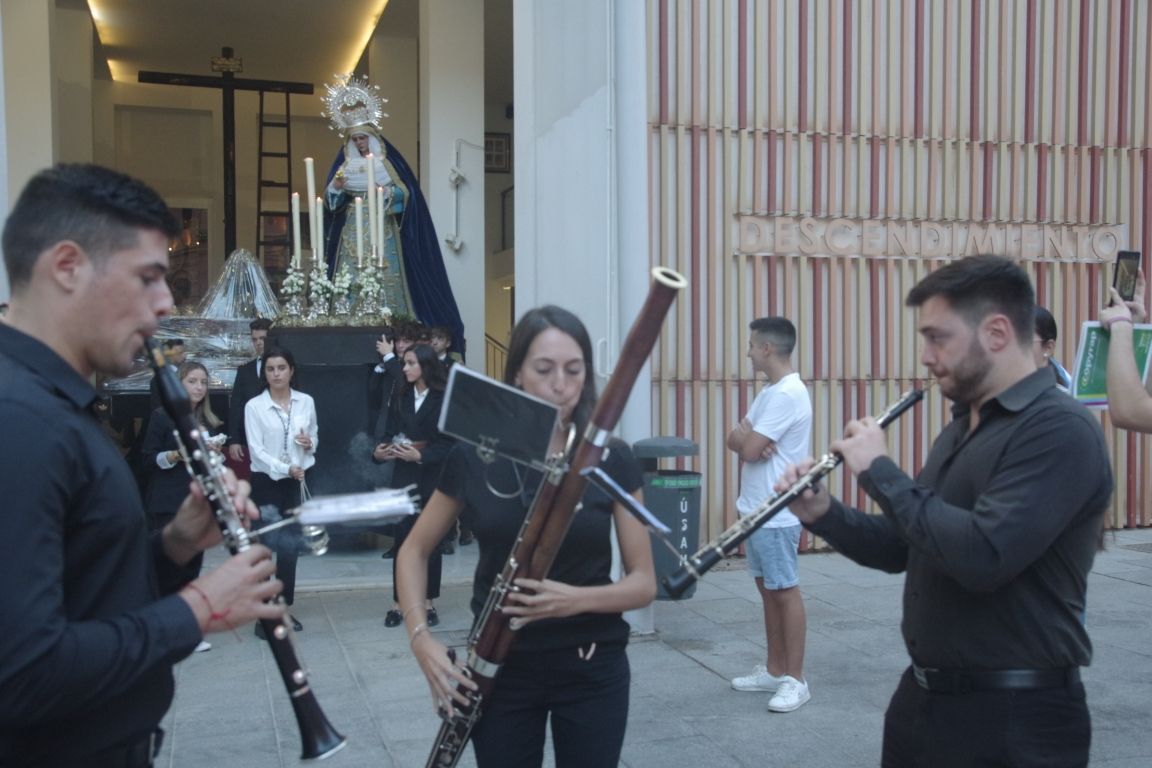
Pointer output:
x,y
421,627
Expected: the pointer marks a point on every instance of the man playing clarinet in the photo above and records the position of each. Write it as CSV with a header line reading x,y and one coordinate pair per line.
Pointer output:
x,y
88,639
996,536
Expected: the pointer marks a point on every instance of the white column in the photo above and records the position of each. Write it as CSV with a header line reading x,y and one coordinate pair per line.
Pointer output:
x,y
452,136
582,178
72,78
28,89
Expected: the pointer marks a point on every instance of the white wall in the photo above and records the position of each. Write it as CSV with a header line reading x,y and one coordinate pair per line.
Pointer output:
x,y
72,62
28,89
452,135
581,172
391,65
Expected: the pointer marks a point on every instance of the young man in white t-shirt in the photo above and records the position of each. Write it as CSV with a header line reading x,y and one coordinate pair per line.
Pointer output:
x,y
775,433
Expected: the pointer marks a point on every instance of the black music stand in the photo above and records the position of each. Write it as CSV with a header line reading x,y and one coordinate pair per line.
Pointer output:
x,y
498,419
504,421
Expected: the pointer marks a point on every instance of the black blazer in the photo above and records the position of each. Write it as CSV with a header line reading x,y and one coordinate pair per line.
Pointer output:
x,y
246,386
419,427
381,386
166,488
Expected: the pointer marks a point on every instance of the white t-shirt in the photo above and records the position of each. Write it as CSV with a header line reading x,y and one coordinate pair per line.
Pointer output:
x,y
782,412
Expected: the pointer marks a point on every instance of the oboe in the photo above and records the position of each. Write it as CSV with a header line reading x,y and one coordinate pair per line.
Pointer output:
x,y
547,522
317,736
695,566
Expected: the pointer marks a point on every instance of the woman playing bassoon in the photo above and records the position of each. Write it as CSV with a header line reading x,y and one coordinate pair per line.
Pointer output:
x,y
569,661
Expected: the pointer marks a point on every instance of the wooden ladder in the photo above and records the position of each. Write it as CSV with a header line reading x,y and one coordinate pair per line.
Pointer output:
x,y
274,193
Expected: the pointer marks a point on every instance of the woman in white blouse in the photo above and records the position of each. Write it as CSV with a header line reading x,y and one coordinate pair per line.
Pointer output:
x,y
280,424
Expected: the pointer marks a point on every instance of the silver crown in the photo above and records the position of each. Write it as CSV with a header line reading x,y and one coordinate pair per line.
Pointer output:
x,y
350,101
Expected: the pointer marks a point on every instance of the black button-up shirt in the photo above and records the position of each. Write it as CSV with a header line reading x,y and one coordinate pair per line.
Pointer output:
x,y
997,533
86,643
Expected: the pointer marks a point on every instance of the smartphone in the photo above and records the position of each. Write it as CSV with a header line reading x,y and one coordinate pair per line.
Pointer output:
x,y
1124,273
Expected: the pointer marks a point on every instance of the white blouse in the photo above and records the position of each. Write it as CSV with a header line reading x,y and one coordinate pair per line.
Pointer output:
x,y
272,432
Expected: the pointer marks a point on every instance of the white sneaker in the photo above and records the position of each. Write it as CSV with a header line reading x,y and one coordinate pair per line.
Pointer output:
x,y
791,695
759,680
203,646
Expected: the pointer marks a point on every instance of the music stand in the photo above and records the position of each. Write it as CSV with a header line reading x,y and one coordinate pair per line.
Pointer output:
x,y
504,421
497,419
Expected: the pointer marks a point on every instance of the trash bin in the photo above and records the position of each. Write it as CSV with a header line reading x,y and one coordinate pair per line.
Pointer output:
x,y
673,496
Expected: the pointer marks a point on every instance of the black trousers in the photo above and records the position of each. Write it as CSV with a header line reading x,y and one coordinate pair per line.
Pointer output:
x,y
435,561
587,699
1046,728
284,495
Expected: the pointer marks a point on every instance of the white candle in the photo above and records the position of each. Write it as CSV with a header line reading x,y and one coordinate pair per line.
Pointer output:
x,y
380,211
310,174
296,230
359,231
318,215
372,199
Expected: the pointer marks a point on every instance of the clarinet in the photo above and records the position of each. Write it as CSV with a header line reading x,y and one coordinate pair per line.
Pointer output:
x,y
695,566
547,521
317,736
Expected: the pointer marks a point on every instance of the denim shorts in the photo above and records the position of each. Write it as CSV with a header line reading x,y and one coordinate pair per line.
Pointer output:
x,y
771,556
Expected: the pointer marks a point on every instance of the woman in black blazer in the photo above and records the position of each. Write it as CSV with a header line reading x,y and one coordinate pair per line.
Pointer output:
x,y
412,440
167,478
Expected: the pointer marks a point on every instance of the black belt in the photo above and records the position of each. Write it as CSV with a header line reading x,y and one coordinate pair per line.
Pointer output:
x,y
969,680
138,754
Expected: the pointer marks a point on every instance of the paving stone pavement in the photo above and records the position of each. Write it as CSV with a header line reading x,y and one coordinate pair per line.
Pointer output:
x,y
231,708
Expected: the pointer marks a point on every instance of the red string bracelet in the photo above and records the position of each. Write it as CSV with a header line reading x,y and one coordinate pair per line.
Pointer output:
x,y
212,614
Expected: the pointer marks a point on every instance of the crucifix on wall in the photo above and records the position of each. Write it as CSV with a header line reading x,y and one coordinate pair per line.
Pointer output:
x,y
227,65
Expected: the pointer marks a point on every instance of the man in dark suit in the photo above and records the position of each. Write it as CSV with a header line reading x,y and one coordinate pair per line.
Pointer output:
x,y
247,385
383,382
387,375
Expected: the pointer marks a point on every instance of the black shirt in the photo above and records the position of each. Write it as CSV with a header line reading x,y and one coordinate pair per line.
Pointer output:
x,y
87,644
584,559
997,533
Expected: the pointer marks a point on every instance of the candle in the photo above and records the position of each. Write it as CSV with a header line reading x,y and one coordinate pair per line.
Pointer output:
x,y
359,231
380,210
296,230
372,199
318,254
310,177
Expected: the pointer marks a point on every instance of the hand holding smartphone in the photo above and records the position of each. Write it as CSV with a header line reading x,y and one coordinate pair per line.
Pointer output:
x,y
1125,272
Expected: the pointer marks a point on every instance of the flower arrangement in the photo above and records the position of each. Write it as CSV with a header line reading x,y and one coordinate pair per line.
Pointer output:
x,y
320,288
344,282
294,283
369,282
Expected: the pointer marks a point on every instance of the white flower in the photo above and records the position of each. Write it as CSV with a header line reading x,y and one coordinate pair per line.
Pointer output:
x,y
369,282
320,287
294,283
343,281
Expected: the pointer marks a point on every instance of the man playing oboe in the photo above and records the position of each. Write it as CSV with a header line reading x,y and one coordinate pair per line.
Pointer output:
x,y
996,534
88,642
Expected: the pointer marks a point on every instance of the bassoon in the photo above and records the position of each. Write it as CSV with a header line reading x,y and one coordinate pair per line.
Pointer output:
x,y
318,739
695,566
547,522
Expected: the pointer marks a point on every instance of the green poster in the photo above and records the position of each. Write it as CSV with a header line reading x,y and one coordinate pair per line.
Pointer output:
x,y
1089,377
